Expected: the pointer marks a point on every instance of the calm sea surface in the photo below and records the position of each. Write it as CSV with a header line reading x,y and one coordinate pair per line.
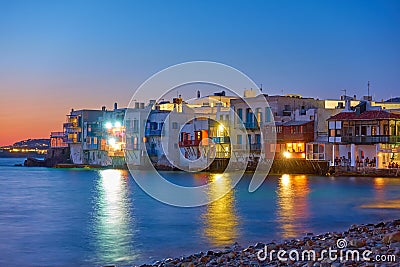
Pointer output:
x,y
60,217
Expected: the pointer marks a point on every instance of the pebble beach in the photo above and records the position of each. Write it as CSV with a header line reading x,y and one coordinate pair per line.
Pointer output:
x,y
374,244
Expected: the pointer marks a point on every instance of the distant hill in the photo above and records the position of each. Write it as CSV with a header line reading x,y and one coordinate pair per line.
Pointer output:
x,y
26,148
394,99
33,143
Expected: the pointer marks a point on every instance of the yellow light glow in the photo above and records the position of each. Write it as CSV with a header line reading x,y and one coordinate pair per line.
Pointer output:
x,y
285,180
111,141
221,128
286,154
303,155
293,204
117,124
220,220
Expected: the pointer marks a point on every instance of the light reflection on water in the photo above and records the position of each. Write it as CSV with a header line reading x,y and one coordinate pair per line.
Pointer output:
x,y
63,217
292,204
113,221
380,201
220,220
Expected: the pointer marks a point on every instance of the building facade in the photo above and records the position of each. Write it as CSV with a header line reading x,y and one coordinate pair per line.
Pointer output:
x,y
365,137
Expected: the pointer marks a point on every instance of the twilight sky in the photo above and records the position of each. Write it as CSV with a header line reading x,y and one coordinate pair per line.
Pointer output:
x,y
58,55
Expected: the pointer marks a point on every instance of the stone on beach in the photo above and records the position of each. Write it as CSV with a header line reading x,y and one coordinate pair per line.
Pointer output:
x,y
382,239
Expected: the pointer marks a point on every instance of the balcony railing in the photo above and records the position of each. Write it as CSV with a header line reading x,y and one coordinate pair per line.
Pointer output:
x,y
251,125
90,146
252,147
133,147
73,129
57,134
73,140
389,139
150,132
189,143
222,155
221,140
255,147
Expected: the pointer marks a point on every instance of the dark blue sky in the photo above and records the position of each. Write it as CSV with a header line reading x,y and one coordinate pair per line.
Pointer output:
x,y
91,53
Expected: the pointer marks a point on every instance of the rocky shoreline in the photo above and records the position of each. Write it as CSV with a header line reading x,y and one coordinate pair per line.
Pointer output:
x,y
361,245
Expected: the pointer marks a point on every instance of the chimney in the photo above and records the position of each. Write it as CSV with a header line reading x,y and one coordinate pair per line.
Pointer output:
x,y
115,105
103,108
347,105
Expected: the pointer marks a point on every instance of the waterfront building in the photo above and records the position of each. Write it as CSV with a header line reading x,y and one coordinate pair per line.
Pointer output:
x,y
204,143
58,139
162,132
291,117
365,136
179,119
82,129
112,135
96,137
135,139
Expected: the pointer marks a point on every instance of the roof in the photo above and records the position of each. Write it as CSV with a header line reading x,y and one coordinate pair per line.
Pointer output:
x,y
366,115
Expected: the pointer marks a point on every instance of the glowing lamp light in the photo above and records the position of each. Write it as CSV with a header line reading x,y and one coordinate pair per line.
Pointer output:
x,y
303,155
286,154
117,124
108,125
221,128
111,141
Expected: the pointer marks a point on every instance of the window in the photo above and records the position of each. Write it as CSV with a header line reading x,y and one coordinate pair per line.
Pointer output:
x,y
364,130
268,114
273,148
239,139
373,130
338,132
303,110
174,125
332,132
295,147
258,139
240,113
259,116
385,129
315,151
